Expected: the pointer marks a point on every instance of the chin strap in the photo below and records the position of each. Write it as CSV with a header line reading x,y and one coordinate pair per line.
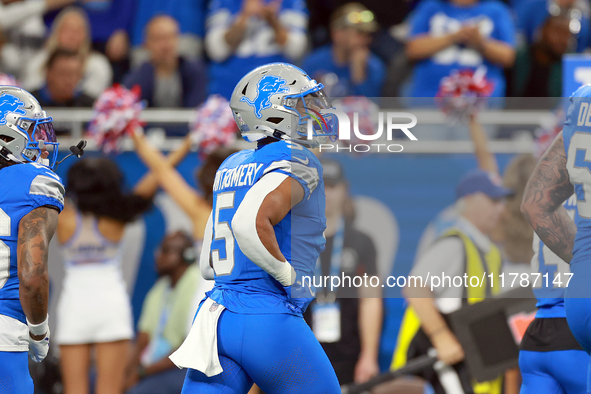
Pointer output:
x,y
7,155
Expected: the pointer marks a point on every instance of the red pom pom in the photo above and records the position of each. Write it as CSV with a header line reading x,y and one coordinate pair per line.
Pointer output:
x,y
213,126
464,92
116,113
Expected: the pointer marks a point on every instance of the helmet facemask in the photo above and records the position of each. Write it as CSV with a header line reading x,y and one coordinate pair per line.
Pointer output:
x,y
313,128
42,145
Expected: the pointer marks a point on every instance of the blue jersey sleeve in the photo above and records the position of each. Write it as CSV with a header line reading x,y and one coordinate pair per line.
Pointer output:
x,y
44,187
297,162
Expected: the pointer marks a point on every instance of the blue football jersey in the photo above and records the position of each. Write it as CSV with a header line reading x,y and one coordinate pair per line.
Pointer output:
x,y
577,145
24,188
549,289
241,285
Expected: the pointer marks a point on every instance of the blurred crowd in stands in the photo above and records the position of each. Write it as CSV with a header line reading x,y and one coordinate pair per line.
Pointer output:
x,y
181,51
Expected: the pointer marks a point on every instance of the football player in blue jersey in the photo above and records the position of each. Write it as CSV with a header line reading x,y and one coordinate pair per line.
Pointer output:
x,y
264,235
566,168
550,358
31,197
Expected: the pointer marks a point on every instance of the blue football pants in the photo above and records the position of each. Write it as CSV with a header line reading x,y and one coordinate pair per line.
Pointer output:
x,y
14,373
278,352
560,371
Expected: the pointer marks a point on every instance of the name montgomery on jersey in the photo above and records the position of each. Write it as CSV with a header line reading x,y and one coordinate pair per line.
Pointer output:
x,y
243,175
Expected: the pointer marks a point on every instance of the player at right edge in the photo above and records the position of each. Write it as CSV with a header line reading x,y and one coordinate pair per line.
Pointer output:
x,y
565,169
550,358
265,232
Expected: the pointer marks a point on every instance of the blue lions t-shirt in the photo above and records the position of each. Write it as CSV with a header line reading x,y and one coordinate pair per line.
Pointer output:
x,y
258,46
437,17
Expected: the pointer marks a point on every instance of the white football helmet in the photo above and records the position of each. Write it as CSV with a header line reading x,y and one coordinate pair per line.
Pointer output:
x,y
26,132
280,100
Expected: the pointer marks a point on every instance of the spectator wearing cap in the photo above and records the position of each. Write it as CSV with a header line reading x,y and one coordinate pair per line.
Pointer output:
x,y
347,67
465,249
168,79
243,35
459,34
347,322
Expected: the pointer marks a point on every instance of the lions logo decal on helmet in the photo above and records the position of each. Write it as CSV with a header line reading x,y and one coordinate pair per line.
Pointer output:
x,y
8,104
267,87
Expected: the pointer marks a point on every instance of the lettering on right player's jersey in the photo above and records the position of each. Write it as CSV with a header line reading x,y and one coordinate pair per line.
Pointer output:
x,y
243,175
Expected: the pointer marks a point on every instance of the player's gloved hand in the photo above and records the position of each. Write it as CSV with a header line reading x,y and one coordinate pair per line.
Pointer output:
x,y
301,293
38,348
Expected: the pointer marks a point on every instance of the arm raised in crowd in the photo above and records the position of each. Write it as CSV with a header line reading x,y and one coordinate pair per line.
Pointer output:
x,y
485,158
173,183
148,184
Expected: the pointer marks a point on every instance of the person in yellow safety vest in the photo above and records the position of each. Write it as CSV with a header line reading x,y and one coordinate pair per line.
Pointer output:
x,y
432,293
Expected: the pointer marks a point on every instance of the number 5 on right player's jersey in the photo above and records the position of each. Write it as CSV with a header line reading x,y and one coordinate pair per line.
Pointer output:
x,y
299,234
577,145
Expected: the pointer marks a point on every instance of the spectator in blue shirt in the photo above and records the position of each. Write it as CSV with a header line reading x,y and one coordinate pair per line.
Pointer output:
x,y
190,15
168,79
459,34
347,67
243,34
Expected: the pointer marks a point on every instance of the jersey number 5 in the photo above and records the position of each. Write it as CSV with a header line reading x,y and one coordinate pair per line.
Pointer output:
x,y
579,168
4,249
223,231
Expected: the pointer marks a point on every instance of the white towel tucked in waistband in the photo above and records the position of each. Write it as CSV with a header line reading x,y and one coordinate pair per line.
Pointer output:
x,y
200,349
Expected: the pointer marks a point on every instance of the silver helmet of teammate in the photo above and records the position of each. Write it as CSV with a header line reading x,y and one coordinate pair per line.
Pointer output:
x,y
280,100
26,132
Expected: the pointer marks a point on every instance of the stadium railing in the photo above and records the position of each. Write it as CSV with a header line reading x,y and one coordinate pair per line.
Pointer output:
x,y
529,120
